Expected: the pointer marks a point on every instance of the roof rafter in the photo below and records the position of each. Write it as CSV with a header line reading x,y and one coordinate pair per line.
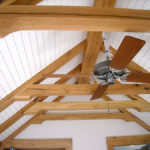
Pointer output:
x,y
24,126
20,113
20,129
72,18
9,99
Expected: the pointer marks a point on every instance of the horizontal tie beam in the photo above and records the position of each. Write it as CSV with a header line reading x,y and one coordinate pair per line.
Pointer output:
x,y
79,89
15,18
40,106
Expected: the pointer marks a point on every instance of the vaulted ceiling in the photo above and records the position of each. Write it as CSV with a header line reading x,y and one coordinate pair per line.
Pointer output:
x,y
25,53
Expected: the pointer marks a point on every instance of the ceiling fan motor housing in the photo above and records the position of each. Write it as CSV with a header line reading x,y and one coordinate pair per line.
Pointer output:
x,y
103,71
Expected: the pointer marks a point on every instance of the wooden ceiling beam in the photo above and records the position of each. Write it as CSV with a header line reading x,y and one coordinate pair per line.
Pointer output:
x,y
104,3
40,144
20,2
40,106
76,10
94,43
10,121
14,18
134,118
20,113
127,141
89,116
79,89
8,100
26,2
6,2
20,129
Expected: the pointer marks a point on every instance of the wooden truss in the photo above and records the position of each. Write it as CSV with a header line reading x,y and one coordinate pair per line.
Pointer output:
x,y
92,19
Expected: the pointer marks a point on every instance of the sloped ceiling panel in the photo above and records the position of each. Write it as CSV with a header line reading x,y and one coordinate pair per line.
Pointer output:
x,y
14,127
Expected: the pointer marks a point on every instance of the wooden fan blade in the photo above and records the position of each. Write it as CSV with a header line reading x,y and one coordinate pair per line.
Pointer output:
x,y
67,76
138,77
99,91
129,47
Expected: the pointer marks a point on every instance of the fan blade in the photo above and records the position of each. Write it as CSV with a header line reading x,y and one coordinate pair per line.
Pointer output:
x,y
138,77
66,76
129,47
99,91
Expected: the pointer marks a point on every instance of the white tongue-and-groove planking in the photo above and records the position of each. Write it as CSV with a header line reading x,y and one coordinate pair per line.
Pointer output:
x,y
14,127
25,53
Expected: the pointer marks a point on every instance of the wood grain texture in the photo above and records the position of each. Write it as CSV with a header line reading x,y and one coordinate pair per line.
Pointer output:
x,y
40,143
134,68
138,77
101,89
20,113
94,42
6,2
134,118
76,10
137,97
20,2
92,116
20,129
127,140
40,106
68,76
79,89
26,2
127,50
14,18
8,100
10,121
104,3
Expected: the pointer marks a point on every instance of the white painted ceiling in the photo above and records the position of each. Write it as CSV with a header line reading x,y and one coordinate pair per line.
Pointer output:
x,y
25,53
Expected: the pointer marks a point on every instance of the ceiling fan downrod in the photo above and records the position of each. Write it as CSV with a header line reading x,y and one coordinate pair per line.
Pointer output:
x,y
103,73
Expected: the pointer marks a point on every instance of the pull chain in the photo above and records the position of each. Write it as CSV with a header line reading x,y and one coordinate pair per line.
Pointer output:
x,y
108,107
106,44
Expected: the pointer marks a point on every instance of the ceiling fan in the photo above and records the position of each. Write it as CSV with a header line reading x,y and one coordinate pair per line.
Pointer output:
x,y
110,70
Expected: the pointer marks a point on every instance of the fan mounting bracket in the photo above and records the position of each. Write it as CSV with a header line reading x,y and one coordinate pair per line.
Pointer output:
x,y
104,74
